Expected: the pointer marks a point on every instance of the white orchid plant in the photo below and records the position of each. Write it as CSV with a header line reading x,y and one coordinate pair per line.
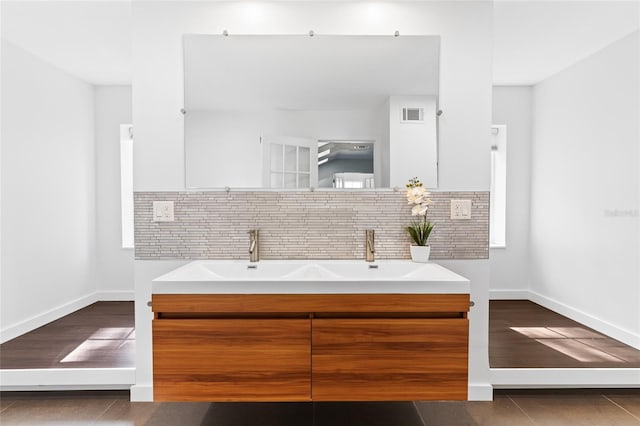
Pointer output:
x,y
419,230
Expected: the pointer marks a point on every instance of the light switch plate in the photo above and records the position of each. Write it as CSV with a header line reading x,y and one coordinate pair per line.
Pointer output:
x,y
460,209
163,211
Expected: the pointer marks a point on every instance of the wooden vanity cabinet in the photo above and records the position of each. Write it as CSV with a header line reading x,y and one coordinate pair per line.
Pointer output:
x,y
337,347
245,359
391,359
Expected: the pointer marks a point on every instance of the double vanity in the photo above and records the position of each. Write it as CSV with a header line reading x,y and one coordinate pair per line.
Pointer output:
x,y
306,330
310,330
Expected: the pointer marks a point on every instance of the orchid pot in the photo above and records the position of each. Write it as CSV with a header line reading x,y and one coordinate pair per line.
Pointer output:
x,y
420,254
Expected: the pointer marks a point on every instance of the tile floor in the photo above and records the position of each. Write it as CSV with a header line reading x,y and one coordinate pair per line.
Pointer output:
x,y
509,408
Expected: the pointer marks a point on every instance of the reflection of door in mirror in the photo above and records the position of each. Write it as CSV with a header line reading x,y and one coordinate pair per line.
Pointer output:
x,y
286,162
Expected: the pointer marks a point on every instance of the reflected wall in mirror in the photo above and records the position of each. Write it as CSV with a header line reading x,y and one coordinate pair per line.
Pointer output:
x,y
262,110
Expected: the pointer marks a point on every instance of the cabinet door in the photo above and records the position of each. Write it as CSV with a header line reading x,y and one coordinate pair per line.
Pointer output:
x,y
389,359
231,359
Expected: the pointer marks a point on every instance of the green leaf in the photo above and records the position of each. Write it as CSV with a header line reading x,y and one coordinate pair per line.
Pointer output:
x,y
420,232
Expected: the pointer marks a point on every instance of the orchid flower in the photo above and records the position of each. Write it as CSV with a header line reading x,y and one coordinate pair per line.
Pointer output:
x,y
419,197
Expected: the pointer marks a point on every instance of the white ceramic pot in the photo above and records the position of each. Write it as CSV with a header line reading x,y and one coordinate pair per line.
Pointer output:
x,y
420,254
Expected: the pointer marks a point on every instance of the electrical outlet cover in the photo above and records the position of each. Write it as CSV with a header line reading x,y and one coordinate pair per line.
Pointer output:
x,y
460,209
163,211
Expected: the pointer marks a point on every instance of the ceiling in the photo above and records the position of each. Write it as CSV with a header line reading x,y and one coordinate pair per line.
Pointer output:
x,y
346,150
533,39
88,39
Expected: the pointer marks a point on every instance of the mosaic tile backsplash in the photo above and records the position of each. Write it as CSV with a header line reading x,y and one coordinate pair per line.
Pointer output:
x,y
304,225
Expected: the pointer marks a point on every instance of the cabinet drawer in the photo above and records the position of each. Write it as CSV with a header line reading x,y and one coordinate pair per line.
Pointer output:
x,y
231,360
389,359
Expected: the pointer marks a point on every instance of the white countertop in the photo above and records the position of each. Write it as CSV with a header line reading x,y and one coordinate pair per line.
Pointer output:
x,y
310,277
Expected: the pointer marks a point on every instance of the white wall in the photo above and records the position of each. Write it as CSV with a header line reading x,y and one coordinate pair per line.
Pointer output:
x,y
510,265
584,194
48,186
115,264
412,146
224,147
464,128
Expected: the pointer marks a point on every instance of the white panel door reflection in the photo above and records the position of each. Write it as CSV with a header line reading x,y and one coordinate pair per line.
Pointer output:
x,y
287,162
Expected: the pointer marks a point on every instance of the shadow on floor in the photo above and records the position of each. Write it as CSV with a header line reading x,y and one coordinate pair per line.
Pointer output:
x,y
285,414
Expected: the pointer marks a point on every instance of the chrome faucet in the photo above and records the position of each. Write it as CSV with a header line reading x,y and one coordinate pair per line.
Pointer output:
x,y
254,245
370,245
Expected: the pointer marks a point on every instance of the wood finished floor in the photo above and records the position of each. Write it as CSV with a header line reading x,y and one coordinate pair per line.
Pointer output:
x,y
509,408
101,335
523,334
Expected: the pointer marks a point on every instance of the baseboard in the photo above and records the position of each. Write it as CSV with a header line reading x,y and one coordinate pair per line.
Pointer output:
x,y
522,378
36,321
604,327
51,388
141,393
67,378
480,392
509,294
115,296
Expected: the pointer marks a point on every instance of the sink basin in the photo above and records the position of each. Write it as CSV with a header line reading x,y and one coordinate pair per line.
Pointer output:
x,y
304,270
309,276
250,271
231,270
312,271
376,270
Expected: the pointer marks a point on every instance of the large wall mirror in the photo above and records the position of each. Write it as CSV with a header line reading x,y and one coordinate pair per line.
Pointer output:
x,y
321,111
